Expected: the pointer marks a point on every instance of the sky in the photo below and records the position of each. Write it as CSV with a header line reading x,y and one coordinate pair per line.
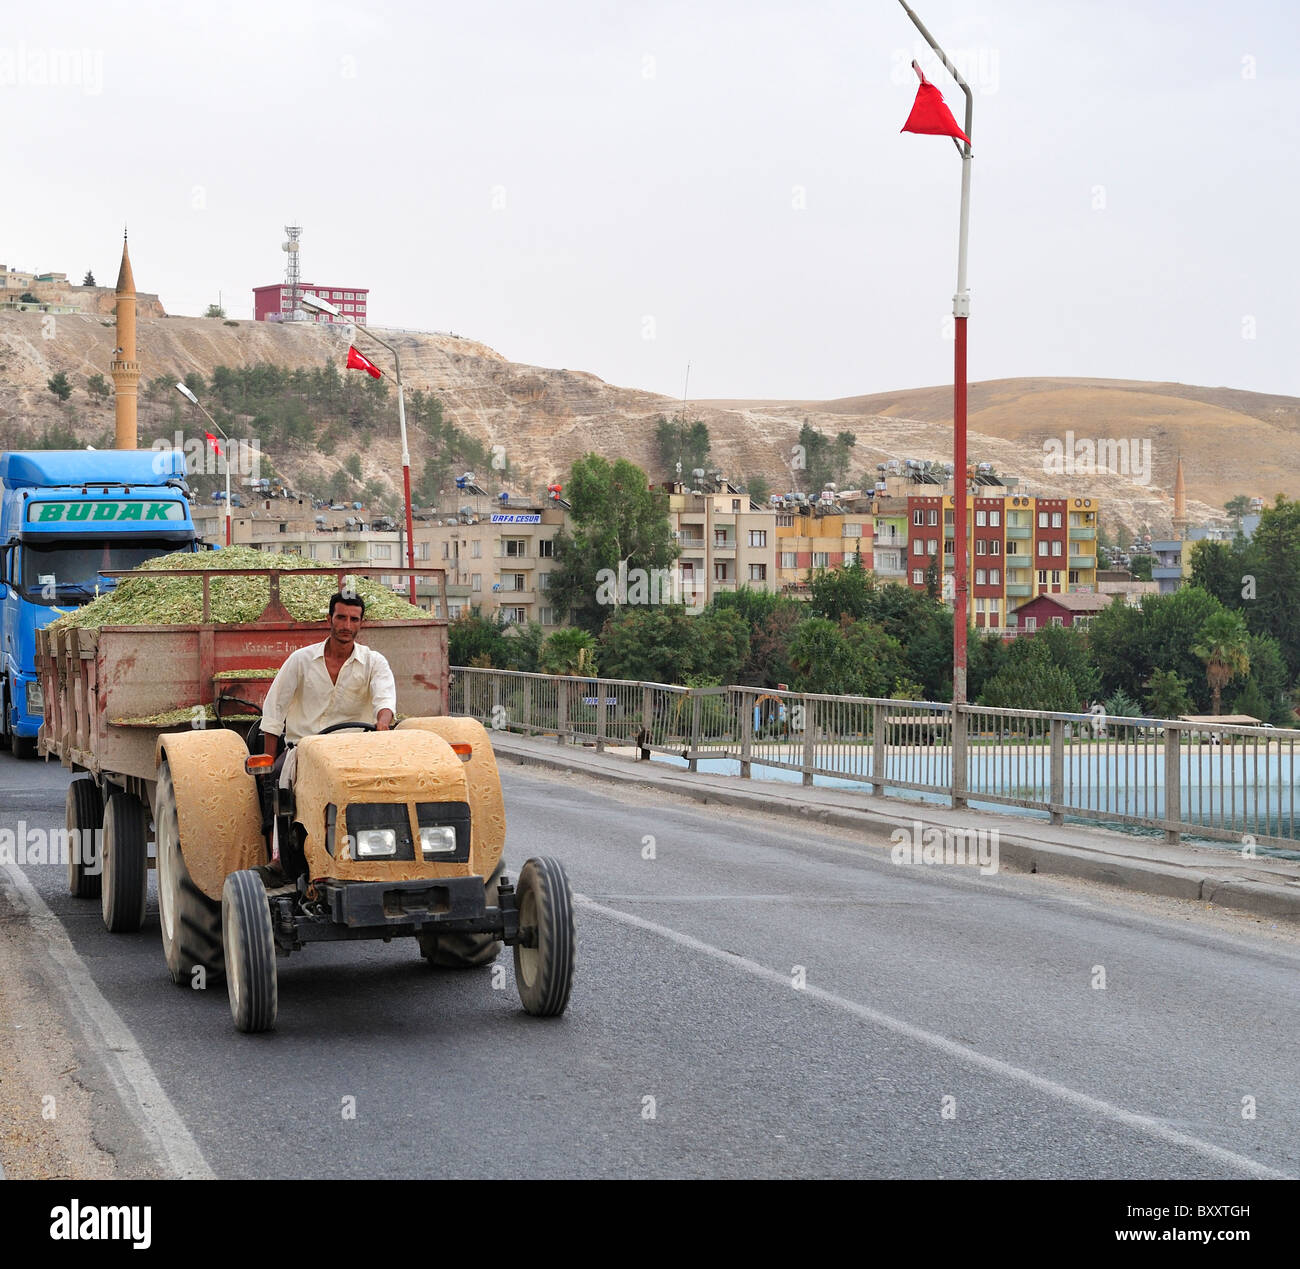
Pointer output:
x,y
631,188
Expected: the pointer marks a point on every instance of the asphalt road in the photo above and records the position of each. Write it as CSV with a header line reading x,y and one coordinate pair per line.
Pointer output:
x,y
757,999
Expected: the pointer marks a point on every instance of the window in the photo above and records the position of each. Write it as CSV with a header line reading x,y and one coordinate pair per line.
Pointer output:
x,y
1031,623
453,609
918,516
1058,621
995,577
1074,577
446,550
721,540
758,537
758,572
338,295
918,547
981,547
543,581
852,530
821,559
1042,519
1056,548
995,547
516,615
786,521
336,551
1056,577
995,611
546,549
514,581
476,582
1042,548
852,557
789,559
981,578
720,573
1042,577
979,605
546,616
918,577
949,518
476,549
421,550
995,519
381,550
933,545
735,504
1056,519
932,517
516,548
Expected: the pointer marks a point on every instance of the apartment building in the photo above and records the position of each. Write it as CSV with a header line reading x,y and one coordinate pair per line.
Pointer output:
x,y
1019,546
813,537
725,542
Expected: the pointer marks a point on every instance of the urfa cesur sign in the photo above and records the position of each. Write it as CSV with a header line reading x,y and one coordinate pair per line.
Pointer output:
x,y
499,518
118,510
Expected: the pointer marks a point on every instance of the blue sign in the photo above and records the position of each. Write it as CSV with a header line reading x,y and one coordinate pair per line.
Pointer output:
x,y
501,518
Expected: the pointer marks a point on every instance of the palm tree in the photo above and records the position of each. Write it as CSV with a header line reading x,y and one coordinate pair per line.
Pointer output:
x,y
1224,650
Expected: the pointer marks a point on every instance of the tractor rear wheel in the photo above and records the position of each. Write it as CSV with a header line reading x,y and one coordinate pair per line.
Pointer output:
x,y
85,820
249,944
545,953
190,921
125,880
465,951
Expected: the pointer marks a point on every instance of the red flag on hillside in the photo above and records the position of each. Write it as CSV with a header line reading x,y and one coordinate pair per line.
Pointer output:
x,y
357,362
930,114
212,440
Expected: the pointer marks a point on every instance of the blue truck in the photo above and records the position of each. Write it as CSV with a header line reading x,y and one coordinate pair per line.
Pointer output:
x,y
66,517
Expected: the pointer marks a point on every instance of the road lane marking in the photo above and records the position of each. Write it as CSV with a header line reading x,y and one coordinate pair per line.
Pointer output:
x,y
1060,1092
138,1088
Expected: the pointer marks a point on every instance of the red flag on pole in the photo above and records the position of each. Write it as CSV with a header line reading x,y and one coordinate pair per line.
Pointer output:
x,y
930,114
357,362
212,440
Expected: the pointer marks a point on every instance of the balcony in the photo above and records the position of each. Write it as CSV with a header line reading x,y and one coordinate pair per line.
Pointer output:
x,y
690,541
1082,532
1018,532
1083,561
1165,574
1019,590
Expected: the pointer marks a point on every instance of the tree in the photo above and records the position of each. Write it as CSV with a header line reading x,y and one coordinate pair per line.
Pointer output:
x,y
1140,567
352,465
620,526
1237,507
1167,695
27,298
59,385
1224,649
1031,681
524,646
215,310
340,485
679,441
845,591
568,652
97,386
758,489
665,644
89,279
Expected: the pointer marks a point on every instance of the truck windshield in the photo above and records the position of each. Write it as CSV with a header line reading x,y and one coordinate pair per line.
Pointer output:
x,y
70,573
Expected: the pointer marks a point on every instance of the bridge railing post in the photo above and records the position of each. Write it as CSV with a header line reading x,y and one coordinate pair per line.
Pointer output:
x,y
600,717
745,704
1173,784
809,742
561,709
693,750
878,760
1056,775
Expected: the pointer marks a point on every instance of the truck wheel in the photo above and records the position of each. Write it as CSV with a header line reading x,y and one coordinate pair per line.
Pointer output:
x,y
125,880
250,952
24,746
85,819
544,968
190,921
464,951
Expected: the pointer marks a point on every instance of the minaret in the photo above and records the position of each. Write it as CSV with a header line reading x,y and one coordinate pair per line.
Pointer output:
x,y
126,369
1180,503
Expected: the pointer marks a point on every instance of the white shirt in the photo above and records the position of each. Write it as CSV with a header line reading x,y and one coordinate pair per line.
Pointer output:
x,y
303,700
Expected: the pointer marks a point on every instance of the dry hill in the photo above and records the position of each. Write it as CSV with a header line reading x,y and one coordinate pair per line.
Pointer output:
x,y
1231,441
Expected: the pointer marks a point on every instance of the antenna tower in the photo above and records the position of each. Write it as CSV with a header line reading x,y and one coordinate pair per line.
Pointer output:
x,y
293,273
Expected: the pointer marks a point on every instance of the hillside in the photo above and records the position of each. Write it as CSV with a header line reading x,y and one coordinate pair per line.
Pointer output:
x,y
1231,441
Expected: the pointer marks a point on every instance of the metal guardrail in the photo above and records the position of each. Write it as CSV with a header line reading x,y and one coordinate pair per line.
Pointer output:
x,y
1224,782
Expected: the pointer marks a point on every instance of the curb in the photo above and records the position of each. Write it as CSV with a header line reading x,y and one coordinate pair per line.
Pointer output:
x,y
1020,854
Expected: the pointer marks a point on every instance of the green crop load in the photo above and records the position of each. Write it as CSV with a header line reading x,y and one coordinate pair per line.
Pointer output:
x,y
140,600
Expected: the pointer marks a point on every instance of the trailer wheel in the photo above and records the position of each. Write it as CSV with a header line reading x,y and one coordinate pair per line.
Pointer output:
x,y
125,880
465,951
85,819
545,953
190,921
249,944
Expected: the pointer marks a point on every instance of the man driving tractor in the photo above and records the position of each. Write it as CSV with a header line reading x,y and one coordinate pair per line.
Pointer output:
x,y
324,684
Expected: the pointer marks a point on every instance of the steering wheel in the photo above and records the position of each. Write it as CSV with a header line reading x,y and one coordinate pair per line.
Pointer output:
x,y
325,731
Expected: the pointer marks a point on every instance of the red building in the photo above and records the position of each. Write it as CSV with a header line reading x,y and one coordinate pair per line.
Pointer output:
x,y
274,303
1061,610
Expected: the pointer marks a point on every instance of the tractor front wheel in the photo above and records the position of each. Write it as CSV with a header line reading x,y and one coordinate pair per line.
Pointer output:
x,y
249,943
545,952
465,951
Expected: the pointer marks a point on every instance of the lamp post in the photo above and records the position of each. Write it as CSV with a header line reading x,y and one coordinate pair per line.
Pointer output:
x,y
961,313
324,306
193,400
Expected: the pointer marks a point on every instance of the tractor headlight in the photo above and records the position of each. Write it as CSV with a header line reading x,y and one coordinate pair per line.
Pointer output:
x,y
439,840
375,843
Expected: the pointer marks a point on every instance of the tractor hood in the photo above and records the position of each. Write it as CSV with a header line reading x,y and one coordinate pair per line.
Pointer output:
x,y
394,768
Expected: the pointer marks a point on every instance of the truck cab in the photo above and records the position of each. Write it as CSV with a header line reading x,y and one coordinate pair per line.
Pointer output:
x,y
67,517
